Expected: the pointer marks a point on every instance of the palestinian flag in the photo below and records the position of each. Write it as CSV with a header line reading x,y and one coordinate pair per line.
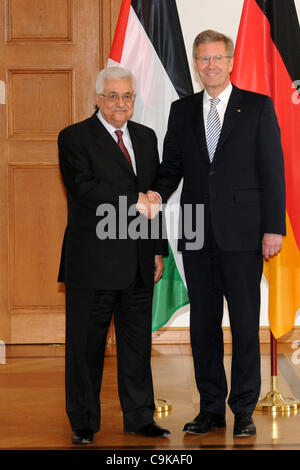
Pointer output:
x,y
148,40
267,60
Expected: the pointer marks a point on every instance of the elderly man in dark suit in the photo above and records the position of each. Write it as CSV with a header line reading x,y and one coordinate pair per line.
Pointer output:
x,y
107,163
225,143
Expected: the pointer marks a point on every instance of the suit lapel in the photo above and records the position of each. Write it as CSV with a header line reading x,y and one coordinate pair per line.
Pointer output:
x,y
231,118
198,126
140,153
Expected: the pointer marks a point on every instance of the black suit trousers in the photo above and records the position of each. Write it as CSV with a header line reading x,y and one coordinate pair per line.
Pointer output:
x,y
88,317
211,275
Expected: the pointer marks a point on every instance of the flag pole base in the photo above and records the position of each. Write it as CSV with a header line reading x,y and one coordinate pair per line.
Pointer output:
x,y
162,405
274,401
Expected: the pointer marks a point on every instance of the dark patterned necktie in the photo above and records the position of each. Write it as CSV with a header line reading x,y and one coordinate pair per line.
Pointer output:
x,y
122,146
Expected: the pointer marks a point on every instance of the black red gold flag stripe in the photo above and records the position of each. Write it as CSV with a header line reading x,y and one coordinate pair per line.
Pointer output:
x,y
267,60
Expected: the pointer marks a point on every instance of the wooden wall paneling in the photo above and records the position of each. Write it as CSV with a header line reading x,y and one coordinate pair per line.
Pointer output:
x,y
39,103
36,221
32,20
4,314
38,328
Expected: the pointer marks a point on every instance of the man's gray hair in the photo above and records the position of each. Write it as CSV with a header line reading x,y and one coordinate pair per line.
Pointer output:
x,y
113,73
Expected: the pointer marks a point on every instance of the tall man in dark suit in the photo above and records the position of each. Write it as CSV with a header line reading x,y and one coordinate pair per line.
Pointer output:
x,y
225,143
107,163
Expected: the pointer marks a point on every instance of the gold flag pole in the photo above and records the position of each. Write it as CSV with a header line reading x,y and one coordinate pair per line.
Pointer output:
x,y
274,401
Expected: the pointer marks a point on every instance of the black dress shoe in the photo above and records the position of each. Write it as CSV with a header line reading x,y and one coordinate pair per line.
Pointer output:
x,y
243,425
83,436
153,430
204,422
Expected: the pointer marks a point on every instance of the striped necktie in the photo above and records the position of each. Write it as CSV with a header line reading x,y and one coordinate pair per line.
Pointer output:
x,y
213,128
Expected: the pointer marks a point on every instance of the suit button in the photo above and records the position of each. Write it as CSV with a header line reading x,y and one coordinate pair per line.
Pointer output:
x,y
211,172
213,196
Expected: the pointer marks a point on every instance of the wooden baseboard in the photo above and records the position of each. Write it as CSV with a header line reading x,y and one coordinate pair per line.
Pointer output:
x,y
181,335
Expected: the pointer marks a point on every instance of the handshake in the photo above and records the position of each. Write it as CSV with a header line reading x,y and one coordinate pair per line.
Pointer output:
x,y
149,204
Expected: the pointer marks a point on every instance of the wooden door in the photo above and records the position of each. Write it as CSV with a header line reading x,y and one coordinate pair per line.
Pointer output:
x,y
49,58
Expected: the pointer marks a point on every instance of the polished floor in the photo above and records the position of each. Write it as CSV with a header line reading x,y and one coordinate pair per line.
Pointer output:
x,y
33,415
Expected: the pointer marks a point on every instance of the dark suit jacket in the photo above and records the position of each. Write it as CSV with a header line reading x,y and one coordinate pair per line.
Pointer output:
x,y
95,172
243,190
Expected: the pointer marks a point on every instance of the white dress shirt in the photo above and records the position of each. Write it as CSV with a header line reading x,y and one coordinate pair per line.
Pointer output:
x,y
125,136
221,106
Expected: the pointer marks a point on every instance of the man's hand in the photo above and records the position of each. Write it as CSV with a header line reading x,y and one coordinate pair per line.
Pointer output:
x,y
158,267
143,205
271,245
148,207
155,200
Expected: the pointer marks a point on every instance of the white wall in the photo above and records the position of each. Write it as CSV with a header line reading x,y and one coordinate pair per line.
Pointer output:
x,y
223,16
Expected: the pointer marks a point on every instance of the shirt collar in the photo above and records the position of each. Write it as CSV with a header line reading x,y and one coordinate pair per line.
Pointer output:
x,y
224,96
111,129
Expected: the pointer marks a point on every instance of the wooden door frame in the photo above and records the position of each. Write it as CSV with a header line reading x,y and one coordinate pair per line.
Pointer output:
x,y
109,10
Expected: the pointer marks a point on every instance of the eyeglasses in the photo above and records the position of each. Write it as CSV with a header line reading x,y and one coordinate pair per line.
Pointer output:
x,y
217,59
115,98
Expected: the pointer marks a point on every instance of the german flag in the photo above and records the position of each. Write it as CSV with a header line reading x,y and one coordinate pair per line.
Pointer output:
x,y
267,60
